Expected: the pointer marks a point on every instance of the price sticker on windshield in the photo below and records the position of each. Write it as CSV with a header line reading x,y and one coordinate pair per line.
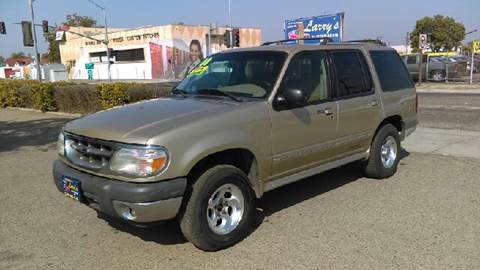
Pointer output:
x,y
201,68
205,62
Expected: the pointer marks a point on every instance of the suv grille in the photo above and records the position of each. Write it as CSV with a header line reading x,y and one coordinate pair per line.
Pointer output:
x,y
87,152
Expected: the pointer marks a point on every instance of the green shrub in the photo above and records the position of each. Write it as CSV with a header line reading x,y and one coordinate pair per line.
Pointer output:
x,y
78,98
10,95
43,97
113,94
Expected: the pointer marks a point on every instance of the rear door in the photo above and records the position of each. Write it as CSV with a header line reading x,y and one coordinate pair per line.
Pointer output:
x,y
398,90
359,109
411,61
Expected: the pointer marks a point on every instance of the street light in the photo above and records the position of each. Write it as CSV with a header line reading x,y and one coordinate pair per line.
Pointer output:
x,y
230,21
106,36
37,55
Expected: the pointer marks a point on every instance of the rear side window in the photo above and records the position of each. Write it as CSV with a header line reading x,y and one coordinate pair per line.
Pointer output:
x,y
411,60
391,71
353,77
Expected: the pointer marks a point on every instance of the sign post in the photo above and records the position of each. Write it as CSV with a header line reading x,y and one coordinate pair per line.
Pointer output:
x,y
422,44
475,49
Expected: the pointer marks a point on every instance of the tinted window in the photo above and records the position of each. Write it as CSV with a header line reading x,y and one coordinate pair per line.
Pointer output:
x,y
352,73
424,58
391,71
308,72
411,60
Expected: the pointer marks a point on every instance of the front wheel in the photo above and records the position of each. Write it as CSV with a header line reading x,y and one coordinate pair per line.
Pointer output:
x,y
384,153
218,212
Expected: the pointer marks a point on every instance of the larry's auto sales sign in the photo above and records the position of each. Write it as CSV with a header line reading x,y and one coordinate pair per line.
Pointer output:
x,y
316,27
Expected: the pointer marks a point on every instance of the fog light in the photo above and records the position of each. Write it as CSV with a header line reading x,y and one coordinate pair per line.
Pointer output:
x,y
124,210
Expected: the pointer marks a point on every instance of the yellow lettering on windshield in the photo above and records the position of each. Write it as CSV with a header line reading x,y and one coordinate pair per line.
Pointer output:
x,y
202,68
206,61
199,70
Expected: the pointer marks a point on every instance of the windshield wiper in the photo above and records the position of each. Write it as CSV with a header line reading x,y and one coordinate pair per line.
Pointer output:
x,y
218,92
180,92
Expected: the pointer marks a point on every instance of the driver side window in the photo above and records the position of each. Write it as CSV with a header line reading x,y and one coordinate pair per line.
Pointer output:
x,y
308,72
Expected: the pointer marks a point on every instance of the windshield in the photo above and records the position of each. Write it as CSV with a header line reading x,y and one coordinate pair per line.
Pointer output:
x,y
237,74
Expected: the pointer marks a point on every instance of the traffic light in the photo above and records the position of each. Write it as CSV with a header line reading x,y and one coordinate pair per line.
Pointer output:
x,y
236,37
227,39
27,34
3,30
45,26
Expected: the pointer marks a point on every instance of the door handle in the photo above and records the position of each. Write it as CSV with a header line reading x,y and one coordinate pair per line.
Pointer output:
x,y
373,103
326,111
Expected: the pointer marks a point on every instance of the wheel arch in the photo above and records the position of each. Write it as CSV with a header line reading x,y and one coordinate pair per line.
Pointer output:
x,y
242,158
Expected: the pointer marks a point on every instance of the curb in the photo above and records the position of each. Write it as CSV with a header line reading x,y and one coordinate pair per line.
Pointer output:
x,y
71,115
449,91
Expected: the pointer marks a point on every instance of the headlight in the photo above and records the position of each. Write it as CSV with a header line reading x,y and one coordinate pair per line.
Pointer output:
x,y
141,162
61,144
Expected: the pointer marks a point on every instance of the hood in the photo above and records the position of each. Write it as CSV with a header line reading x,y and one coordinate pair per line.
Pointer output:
x,y
138,122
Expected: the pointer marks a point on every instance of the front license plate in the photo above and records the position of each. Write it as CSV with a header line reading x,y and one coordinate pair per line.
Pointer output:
x,y
71,188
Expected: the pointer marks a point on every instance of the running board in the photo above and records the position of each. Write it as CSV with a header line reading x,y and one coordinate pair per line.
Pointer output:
x,y
313,171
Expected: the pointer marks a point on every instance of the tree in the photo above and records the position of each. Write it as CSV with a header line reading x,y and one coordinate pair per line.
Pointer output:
x,y
82,21
53,47
16,55
2,61
71,20
444,33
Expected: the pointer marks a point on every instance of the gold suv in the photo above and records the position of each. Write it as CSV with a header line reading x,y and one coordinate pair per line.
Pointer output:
x,y
241,123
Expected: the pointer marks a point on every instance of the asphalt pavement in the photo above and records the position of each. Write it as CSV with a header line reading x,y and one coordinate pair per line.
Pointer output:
x,y
427,216
449,110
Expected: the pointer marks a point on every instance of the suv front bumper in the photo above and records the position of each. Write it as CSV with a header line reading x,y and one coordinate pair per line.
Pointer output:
x,y
135,202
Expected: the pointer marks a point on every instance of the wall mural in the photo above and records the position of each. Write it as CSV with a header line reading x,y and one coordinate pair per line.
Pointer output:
x,y
175,58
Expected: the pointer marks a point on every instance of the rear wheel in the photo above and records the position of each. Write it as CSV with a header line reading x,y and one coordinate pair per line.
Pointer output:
x,y
437,75
384,153
218,212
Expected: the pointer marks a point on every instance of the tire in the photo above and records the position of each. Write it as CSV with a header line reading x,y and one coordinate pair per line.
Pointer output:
x,y
199,221
379,166
437,75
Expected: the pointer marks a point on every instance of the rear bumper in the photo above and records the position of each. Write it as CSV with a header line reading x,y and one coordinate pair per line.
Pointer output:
x,y
139,203
409,127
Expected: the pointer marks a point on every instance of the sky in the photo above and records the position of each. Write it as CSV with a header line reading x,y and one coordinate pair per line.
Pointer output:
x,y
389,20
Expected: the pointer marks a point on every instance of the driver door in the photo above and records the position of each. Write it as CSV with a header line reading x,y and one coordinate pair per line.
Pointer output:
x,y
302,137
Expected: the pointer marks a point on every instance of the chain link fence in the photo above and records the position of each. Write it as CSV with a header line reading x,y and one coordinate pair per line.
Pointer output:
x,y
455,69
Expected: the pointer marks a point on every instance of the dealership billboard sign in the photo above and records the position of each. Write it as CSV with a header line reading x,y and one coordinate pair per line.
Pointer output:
x,y
330,26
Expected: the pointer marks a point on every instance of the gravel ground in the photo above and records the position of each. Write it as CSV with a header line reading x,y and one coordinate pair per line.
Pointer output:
x,y
424,217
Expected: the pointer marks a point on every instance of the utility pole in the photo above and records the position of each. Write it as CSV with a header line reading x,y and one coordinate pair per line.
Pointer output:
x,y
106,36
37,55
230,22
209,50
407,41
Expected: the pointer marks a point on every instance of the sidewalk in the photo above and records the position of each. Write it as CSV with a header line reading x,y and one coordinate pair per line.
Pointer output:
x,y
449,142
448,91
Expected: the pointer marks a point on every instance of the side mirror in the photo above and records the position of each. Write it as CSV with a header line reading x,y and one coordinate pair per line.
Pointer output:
x,y
290,98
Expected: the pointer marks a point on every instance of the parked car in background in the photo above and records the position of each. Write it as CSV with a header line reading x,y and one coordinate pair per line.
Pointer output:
x,y
435,68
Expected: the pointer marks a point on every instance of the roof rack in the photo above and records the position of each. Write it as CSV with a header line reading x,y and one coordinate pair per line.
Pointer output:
x,y
323,41
372,41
